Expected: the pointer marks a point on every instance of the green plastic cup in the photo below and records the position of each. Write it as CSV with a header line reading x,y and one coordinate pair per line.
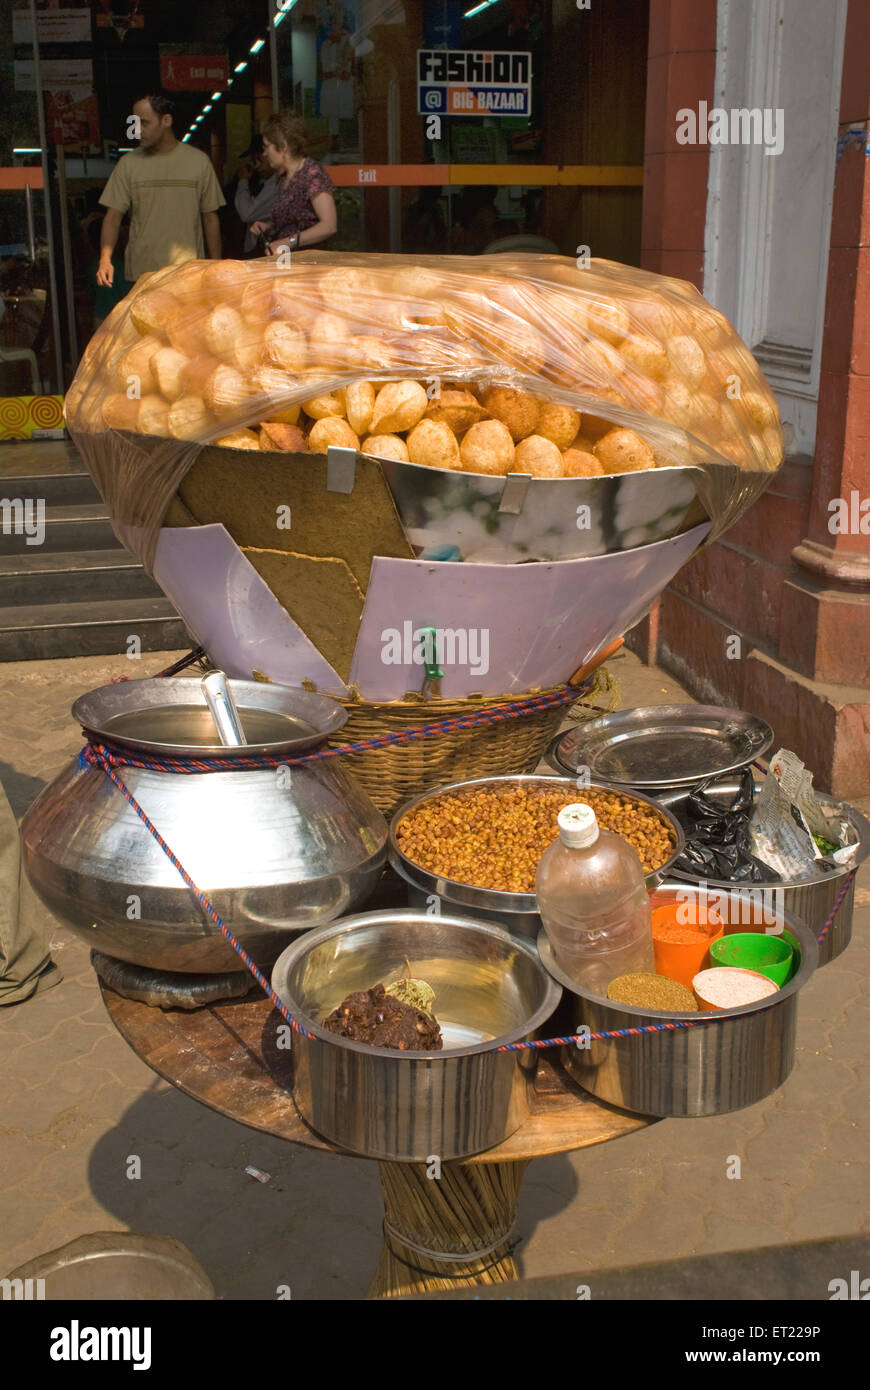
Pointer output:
x,y
749,950
786,935
795,945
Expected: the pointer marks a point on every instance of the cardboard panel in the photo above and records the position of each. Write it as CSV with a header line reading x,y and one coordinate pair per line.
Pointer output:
x,y
250,493
320,594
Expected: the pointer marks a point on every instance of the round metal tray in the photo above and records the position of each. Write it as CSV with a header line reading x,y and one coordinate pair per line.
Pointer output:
x,y
662,746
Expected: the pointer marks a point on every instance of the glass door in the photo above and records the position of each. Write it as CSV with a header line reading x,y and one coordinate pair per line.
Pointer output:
x,y
33,366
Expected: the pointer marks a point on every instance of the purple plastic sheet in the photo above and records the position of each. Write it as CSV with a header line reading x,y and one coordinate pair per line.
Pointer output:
x,y
233,613
504,628
499,629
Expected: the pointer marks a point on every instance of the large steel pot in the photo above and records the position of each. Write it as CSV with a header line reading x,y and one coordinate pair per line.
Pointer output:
x,y
517,911
808,898
490,988
276,850
723,1065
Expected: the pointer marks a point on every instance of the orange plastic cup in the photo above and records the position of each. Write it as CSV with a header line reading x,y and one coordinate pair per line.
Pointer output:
x,y
681,951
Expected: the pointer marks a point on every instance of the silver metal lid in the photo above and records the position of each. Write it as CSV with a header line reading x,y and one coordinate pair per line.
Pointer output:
x,y
657,746
170,716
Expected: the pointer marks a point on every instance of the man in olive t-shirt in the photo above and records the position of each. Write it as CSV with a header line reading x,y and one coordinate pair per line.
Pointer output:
x,y
171,192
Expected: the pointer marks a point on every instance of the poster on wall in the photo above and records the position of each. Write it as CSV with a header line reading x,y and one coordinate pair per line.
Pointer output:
x,y
337,98
55,25
73,118
116,20
56,75
468,82
193,72
31,417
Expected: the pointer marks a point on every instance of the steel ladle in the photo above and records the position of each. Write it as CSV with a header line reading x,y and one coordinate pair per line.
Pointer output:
x,y
223,708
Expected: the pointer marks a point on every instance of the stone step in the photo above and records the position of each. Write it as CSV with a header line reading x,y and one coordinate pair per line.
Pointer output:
x,y
72,576
35,632
56,489
73,526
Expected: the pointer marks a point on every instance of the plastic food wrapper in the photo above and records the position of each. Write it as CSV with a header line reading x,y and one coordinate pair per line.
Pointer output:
x,y
467,368
718,839
792,830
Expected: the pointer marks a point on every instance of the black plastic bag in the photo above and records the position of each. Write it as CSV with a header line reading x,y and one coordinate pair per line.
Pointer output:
x,y
717,836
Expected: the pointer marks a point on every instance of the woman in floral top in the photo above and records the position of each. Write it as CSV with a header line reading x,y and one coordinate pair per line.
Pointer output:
x,y
303,212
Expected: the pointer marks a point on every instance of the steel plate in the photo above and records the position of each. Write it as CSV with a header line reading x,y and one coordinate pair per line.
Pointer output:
x,y
658,746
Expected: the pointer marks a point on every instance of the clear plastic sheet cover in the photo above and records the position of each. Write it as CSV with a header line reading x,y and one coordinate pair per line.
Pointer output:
x,y
207,352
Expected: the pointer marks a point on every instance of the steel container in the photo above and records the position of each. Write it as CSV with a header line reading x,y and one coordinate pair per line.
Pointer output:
x,y
490,988
517,911
513,520
732,1059
496,520
276,850
810,898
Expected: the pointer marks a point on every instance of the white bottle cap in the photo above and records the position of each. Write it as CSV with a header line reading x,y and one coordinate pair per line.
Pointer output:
x,y
578,826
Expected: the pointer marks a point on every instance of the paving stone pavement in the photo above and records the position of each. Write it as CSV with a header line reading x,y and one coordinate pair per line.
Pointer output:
x,y
76,1104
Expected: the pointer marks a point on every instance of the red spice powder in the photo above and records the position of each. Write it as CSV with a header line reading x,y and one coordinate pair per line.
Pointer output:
x,y
669,929
683,936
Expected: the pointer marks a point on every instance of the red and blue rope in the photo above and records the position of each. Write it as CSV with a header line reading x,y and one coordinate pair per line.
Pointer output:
x,y
829,920
264,984
117,756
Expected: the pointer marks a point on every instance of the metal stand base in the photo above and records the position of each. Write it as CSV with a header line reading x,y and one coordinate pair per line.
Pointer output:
x,y
170,989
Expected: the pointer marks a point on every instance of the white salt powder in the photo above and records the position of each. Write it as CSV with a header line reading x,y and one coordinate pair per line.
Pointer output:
x,y
727,987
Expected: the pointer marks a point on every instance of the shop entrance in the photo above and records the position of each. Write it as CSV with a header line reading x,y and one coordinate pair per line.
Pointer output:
x,y
546,155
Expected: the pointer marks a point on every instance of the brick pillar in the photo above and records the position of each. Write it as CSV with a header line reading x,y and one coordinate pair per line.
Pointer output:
x,y
681,71
826,621
821,680
792,587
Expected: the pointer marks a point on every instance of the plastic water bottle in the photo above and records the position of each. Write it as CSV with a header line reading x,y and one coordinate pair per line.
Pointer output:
x,y
593,901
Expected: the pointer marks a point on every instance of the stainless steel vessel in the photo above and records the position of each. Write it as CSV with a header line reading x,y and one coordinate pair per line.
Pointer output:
x,y
513,520
517,911
277,850
490,988
719,1066
808,898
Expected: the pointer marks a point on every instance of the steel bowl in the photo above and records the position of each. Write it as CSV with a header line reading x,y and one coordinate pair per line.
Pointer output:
x,y
489,520
724,1065
517,911
809,898
490,988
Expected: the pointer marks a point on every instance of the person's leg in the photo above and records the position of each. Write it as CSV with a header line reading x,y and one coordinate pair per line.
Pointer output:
x,y
25,964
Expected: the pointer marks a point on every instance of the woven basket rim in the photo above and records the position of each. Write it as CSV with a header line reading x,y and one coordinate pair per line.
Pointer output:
x,y
419,703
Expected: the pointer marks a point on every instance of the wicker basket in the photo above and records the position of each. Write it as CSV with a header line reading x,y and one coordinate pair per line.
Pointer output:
x,y
392,775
